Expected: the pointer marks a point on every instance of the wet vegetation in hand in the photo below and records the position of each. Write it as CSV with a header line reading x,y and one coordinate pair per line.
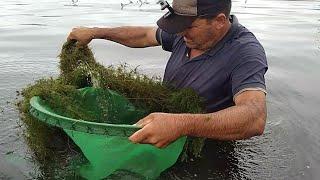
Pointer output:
x,y
79,69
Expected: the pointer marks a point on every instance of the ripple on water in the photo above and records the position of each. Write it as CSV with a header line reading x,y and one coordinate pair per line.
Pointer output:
x,y
34,24
265,157
48,16
20,4
76,5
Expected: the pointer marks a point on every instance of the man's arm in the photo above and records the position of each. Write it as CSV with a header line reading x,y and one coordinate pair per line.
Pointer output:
x,y
244,120
130,36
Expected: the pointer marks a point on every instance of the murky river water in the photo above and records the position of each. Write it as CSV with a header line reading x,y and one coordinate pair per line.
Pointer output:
x,y
32,32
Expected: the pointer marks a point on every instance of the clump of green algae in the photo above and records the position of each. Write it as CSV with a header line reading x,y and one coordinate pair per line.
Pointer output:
x,y
143,91
79,69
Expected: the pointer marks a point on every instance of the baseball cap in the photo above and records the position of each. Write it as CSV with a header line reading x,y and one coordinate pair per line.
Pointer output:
x,y
183,12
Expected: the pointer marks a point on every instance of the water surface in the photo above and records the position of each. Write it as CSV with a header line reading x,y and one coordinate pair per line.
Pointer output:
x,y
32,32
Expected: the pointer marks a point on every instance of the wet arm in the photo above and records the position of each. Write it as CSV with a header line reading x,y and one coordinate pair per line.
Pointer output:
x,y
244,120
131,36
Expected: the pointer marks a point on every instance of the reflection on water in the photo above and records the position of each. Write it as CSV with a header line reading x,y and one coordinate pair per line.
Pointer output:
x,y
32,32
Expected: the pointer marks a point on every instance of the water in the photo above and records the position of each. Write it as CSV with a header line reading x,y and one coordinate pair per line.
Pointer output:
x,y
32,32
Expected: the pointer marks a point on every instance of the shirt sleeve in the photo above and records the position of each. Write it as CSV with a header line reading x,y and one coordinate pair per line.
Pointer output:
x,y
250,70
165,39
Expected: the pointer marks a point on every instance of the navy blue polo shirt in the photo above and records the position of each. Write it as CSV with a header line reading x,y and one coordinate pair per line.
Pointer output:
x,y
236,64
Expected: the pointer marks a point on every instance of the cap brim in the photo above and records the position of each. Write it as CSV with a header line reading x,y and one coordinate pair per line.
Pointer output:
x,y
175,23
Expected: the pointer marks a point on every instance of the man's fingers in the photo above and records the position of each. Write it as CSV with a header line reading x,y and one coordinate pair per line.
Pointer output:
x,y
70,37
138,136
143,122
80,44
150,140
161,144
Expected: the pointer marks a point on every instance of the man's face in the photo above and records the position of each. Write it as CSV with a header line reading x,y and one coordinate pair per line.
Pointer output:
x,y
201,35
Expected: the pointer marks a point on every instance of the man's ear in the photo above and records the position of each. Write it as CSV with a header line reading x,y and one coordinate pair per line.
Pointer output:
x,y
220,20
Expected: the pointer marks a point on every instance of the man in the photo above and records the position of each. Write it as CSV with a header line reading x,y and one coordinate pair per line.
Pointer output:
x,y
211,53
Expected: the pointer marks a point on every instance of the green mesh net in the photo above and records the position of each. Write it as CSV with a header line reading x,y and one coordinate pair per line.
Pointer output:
x,y
106,146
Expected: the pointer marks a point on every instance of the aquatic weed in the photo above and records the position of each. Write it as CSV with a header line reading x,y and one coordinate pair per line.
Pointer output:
x,y
79,69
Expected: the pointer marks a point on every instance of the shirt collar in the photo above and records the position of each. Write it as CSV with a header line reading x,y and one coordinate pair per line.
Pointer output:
x,y
229,36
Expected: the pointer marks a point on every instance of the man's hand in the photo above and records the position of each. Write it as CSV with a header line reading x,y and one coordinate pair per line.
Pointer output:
x,y
159,129
82,35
